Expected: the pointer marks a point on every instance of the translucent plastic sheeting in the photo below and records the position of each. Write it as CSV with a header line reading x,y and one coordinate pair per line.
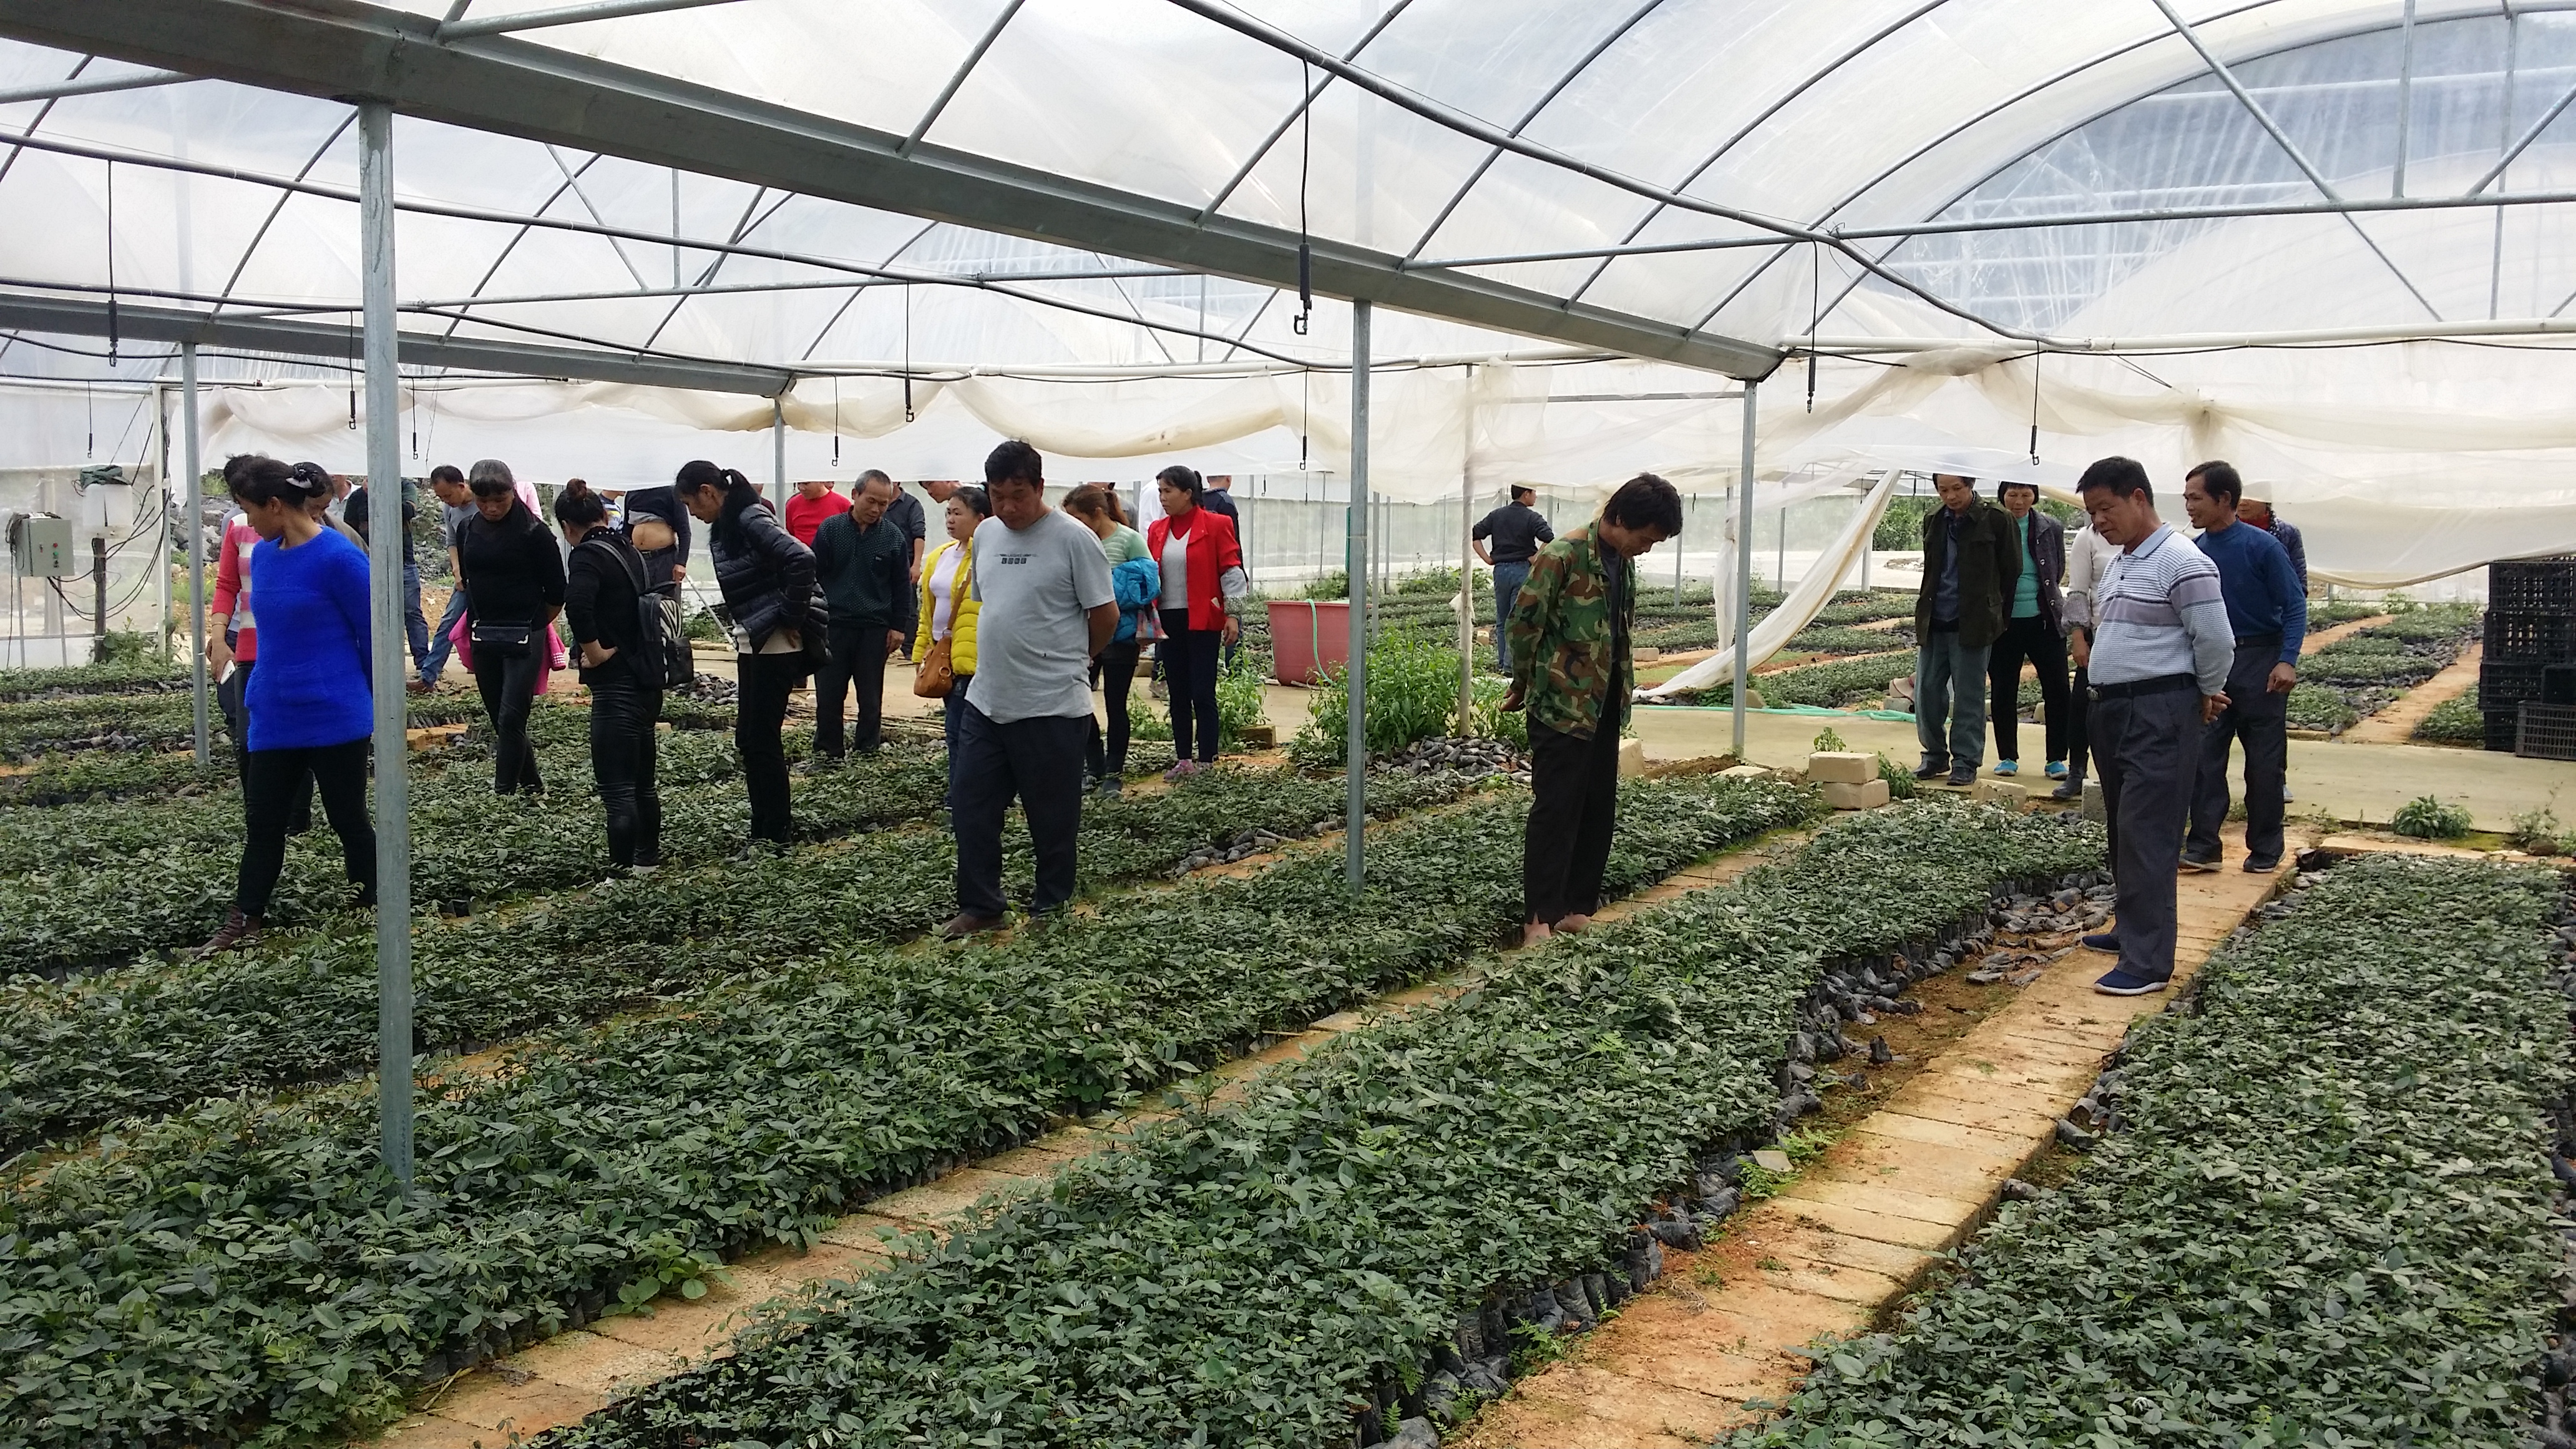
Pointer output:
x,y
1803,603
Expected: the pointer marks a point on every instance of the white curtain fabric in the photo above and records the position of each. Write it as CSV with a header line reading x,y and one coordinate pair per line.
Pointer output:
x,y
1804,602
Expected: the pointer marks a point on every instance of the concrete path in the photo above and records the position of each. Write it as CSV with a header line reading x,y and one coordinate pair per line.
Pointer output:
x,y
1842,1242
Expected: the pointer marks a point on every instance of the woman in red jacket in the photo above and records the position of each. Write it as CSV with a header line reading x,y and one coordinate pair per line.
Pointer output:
x,y
1203,587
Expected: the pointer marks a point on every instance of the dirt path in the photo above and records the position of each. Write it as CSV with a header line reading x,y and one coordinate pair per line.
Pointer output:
x,y
1849,1236
2396,724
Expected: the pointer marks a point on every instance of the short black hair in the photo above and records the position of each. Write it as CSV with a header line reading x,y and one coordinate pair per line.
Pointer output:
x,y
2125,477
1646,501
2219,480
873,475
447,473
2009,484
1521,491
1962,477
1014,459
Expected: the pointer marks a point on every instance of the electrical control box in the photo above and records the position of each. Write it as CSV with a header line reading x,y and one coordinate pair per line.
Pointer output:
x,y
40,547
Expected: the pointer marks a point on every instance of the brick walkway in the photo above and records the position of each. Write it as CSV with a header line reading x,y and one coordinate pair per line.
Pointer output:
x,y
1845,1239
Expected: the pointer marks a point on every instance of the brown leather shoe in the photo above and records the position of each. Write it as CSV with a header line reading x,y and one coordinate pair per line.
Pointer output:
x,y
238,931
963,924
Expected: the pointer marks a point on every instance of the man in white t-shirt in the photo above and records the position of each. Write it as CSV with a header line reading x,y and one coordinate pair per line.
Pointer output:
x,y
1044,607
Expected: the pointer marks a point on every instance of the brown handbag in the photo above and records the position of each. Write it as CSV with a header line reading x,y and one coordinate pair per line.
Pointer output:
x,y
933,677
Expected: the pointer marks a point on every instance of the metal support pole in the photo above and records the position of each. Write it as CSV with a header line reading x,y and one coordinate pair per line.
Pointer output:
x,y
1744,573
1356,560
1467,602
196,523
161,630
385,581
778,454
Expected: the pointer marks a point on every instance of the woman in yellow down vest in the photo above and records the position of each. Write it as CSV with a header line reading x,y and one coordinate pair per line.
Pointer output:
x,y
948,605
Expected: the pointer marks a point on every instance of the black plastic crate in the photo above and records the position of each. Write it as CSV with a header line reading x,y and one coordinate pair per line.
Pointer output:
x,y
2533,585
2504,683
2547,732
2558,684
2502,726
2521,634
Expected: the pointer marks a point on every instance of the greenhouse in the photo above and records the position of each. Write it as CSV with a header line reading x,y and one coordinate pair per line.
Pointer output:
x,y
1287,722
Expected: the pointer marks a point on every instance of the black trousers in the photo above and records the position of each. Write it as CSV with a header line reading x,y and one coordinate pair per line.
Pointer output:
x,y
1189,676
1567,842
1114,671
1039,762
2146,748
624,758
760,715
857,656
278,779
2261,719
2033,640
232,696
509,686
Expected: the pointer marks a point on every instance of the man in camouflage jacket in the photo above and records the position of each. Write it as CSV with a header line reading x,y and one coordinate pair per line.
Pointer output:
x,y
1573,669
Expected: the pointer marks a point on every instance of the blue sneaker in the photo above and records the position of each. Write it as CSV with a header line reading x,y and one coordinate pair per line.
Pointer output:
x,y
2007,767
2103,941
2057,769
2121,983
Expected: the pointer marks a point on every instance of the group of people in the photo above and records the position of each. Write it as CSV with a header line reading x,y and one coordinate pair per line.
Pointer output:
x,y
1012,622
2181,649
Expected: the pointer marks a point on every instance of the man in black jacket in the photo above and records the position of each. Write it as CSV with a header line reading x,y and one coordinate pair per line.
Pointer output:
x,y
2034,631
1970,560
863,561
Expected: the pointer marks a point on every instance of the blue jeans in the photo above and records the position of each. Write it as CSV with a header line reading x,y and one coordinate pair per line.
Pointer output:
x,y
1950,690
1508,578
415,627
434,662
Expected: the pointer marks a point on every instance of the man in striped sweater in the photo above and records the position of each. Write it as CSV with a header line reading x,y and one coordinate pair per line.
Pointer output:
x,y
2158,663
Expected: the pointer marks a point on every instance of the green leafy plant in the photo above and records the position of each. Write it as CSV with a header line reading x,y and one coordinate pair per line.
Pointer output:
x,y
1827,741
1901,783
1334,585
1412,695
2333,1172
2455,721
1386,1185
2540,831
2429,818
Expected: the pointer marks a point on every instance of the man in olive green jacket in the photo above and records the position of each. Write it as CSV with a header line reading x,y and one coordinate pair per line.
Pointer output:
x,y
1971,558
1573,668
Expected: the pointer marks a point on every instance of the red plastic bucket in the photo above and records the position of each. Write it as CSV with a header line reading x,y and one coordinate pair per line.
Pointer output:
x,y
1307,638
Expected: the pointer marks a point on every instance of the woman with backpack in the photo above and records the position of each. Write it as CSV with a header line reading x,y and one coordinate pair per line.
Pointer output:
x,y
1138,583
777,620
513,576
604,597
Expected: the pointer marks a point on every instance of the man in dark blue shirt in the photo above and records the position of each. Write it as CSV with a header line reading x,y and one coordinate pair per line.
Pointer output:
x,y
1515,532
2267,606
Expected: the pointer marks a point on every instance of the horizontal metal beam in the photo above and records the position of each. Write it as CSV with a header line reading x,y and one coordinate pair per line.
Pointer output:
x,y
2503,330
2041,221
93,85
341,48
565,15
88,317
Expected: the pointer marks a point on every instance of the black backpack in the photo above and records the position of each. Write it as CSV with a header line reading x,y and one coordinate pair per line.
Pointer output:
x,y
666,661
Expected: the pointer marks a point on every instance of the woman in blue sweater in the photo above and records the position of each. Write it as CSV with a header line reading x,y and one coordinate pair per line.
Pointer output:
x,y
310,708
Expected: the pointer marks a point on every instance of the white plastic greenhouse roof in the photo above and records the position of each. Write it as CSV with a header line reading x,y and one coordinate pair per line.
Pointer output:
x,y
783,186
